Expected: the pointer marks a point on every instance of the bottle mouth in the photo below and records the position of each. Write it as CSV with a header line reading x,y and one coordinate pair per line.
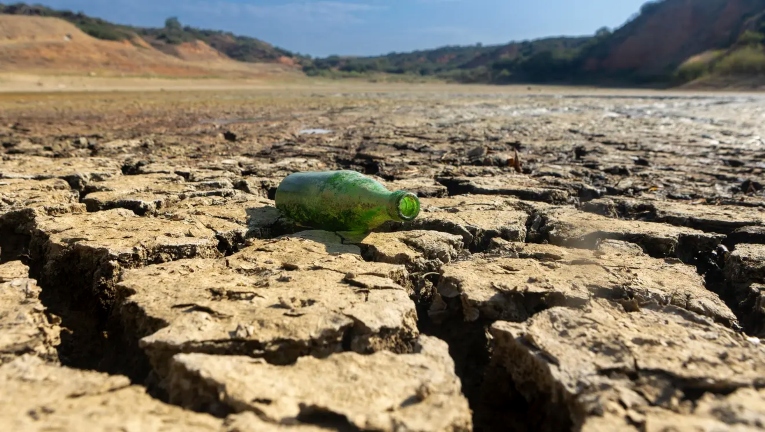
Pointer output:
x,y
407,205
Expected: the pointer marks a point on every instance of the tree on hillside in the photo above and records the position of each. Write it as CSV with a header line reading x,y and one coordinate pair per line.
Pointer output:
x,y
173,32
173,23
650,7
603,32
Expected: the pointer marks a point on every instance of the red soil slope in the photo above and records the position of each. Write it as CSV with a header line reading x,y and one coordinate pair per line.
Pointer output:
x,y
658,42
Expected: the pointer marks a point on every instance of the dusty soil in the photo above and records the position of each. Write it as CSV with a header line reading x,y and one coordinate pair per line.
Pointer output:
x,y
612,281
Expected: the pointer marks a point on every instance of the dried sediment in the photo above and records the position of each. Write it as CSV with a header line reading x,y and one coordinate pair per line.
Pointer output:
x,y
600,366
600,283
278,299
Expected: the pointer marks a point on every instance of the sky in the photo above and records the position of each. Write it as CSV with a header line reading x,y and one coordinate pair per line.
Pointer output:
x,y
370,27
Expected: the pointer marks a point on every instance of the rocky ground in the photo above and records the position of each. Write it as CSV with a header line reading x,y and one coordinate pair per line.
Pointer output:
x,y
590,262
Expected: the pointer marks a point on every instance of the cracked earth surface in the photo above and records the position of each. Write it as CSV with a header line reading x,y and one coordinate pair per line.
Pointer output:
x,y
613,280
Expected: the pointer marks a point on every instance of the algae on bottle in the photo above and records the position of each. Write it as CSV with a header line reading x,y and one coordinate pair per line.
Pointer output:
x,y
342,201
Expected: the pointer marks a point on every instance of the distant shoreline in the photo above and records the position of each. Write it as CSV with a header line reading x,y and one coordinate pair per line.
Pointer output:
x,y
19,83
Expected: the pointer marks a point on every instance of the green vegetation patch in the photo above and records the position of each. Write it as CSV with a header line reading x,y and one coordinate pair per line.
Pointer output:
x,y
749,60
698,66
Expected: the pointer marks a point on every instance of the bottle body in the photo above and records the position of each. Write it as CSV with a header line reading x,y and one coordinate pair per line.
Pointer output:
x,y
342,201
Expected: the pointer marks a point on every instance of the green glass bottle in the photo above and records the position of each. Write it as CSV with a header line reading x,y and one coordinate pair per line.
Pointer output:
x,y
342,201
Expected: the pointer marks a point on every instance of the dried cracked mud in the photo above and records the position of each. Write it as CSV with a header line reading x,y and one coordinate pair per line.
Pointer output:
x,y
582,261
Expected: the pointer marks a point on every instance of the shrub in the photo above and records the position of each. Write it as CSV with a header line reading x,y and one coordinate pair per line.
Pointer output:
x,y
104,32
749,60
697,66
750,38
691,71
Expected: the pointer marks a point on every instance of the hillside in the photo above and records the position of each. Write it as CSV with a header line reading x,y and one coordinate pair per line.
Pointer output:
x,y
32,43
668,33
45,44
667,42
166,39
474,63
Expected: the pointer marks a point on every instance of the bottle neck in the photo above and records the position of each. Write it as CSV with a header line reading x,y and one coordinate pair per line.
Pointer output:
x,y
403,206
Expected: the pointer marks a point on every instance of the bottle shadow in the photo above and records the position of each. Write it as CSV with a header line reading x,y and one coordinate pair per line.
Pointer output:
x,y
269,223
